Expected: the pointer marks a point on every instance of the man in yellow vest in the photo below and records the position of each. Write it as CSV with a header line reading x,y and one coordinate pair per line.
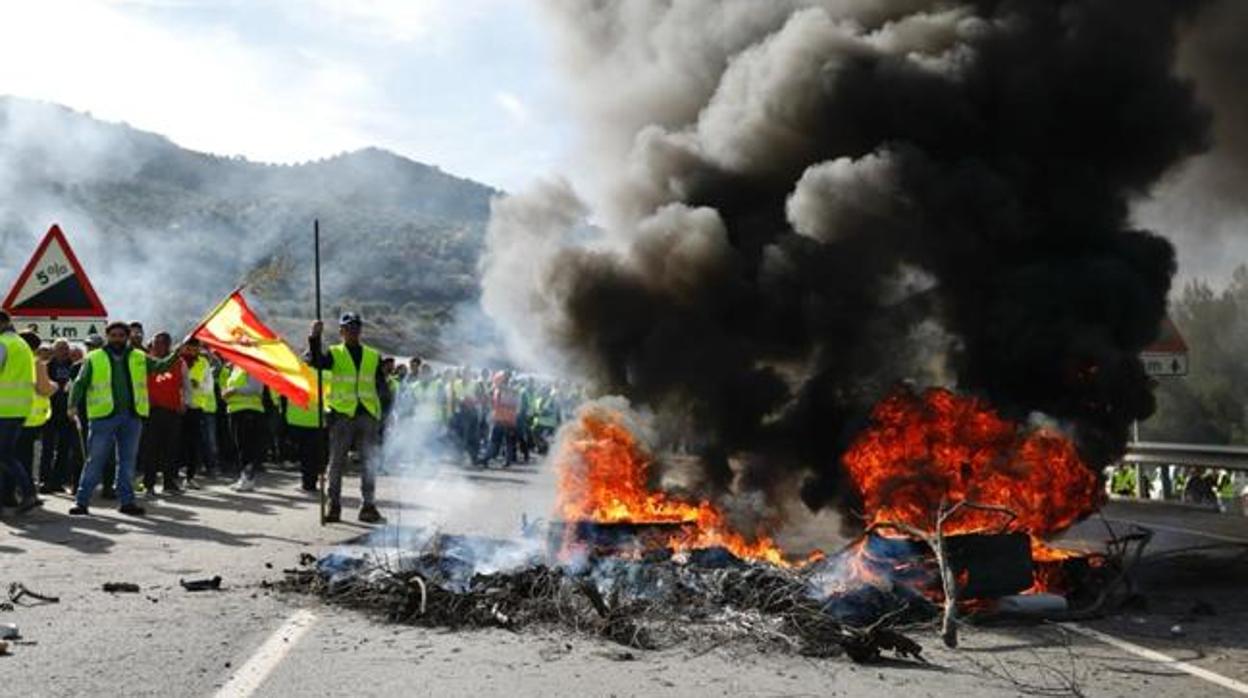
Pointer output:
x,y
40,411
200,421
302,426
19,385
244,402
357,390
113,381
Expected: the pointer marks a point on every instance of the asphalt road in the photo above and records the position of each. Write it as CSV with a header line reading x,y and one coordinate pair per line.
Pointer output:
x,y
248,640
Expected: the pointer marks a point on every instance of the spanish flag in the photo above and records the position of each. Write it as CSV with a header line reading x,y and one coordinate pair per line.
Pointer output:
x,y
237,335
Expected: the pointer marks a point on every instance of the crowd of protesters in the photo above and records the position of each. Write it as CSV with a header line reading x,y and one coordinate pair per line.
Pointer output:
x,y
139,418
487,417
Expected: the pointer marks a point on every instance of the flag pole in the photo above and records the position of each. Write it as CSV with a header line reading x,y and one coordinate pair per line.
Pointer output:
x,y
320,376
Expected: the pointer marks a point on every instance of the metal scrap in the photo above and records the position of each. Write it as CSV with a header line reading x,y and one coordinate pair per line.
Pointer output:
x,y
18,591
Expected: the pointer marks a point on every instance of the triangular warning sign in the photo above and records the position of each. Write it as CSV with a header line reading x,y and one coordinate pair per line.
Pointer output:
x,y
53,284
1169,340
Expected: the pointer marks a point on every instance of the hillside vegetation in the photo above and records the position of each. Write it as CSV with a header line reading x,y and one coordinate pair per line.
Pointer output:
x,y
166,231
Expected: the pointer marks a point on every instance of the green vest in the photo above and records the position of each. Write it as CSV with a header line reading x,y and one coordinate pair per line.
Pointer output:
x,y
349,387
100,392
17,378
203,397
40,411
544,414
297,416
241,403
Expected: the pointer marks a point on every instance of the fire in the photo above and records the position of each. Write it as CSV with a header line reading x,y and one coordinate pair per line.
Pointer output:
x,y
937,448
922,450
603,476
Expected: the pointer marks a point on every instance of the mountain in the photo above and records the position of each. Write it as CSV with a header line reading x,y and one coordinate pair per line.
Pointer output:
x,y
164,231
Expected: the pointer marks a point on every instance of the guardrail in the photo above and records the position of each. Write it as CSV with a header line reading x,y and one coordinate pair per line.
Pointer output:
x,y
1158,453
1155,453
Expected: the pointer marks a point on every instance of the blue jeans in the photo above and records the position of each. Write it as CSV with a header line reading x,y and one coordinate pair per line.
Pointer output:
x,y
120,432
10,464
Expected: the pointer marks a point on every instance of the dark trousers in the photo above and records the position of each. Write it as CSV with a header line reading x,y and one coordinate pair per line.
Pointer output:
x,y
249,440
199,442
227,448
59,450
161,447
15,473
468,427
502,436
307,449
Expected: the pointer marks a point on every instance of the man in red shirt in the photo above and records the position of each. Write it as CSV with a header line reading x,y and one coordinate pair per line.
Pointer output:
x,y
164,426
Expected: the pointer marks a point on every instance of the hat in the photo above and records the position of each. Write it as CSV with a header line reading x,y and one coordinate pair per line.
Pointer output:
x,y
350,319
94,341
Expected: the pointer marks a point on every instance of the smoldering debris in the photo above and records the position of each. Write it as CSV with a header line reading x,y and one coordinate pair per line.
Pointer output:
x,y
798,204
706,601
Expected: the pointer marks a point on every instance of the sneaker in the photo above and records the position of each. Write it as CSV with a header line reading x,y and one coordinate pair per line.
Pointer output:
x,y
150,493
192,484
334,515
172,491
78,511
369,514
28,504
244,484
132,510
49,489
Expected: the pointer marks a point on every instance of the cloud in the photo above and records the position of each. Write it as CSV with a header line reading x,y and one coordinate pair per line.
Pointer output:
x,y
207,88
513,105
403,21
393,20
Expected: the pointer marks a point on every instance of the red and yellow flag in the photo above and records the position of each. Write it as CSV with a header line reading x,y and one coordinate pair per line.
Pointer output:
x,y
234,332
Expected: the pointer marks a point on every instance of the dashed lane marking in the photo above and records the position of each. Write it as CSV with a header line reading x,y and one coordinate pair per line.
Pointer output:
x,y
251,675
1163,659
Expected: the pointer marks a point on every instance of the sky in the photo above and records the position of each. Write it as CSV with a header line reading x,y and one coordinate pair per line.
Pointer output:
x,y
467,85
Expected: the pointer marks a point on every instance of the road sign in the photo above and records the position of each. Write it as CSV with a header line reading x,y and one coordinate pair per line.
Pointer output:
x,y
1168,355
53,284
1165,364
52,329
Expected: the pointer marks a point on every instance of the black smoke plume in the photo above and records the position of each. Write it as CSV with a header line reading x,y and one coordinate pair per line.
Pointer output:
x,y
798,204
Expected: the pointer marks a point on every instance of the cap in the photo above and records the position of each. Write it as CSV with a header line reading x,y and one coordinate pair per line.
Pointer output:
x,y
95,341
350,319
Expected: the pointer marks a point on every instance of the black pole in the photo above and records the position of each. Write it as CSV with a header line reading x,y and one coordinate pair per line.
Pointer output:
x,y
320,377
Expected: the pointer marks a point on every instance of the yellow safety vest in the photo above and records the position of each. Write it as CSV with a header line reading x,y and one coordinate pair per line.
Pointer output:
x,y
100,392
297,416
351,387
40,411
17,378
203,397
241,403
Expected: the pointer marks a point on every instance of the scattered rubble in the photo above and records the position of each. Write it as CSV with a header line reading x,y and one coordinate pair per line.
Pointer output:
x,y
18,591
641,604
212,584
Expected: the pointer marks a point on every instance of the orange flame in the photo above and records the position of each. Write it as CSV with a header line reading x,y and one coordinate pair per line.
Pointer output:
x,y
603,476
938,446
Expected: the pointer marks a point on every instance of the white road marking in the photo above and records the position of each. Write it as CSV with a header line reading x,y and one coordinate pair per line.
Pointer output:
x,y
248,678
1154,656
1185,531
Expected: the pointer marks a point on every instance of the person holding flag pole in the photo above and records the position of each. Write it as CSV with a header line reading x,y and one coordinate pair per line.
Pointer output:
x,y
358,388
